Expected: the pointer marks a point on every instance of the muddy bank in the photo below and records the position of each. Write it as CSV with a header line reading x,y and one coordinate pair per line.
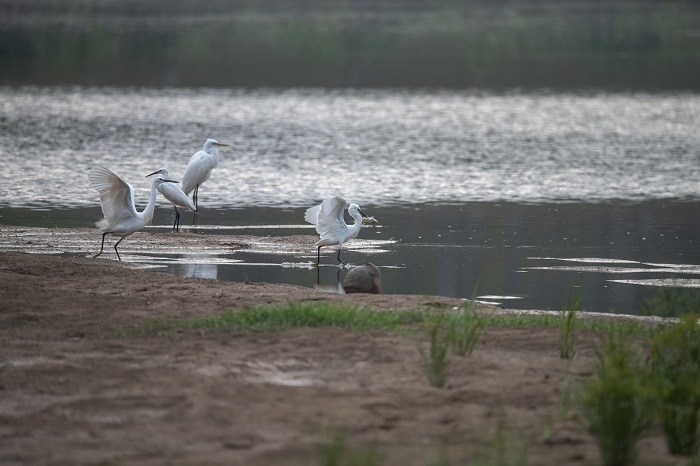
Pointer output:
x,y
76,387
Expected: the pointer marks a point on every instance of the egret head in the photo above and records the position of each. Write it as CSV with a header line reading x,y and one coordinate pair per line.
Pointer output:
x,y
213,143
160,180
354,208
162,172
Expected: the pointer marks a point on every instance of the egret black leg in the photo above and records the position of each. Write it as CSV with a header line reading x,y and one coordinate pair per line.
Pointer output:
x,y
176,225
196,205
103,243
115,247
318,256
339,249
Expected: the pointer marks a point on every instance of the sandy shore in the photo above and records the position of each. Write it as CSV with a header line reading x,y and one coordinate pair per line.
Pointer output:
x,y
78,387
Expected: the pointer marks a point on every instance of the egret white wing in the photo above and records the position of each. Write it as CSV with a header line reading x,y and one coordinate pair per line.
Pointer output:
x,y
197,171
174,194
331,222
311,214
333,206
116,195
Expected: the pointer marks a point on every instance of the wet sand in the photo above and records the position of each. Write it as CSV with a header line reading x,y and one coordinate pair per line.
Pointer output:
x,y
79,386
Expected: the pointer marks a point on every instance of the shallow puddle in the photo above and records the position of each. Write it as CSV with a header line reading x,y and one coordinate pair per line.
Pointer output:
x,y
501,253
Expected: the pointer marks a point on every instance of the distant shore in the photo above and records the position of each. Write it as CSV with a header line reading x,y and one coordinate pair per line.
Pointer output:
x,y
623,44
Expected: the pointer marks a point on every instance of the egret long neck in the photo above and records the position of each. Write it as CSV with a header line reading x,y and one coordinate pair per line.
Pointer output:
x,y
214,156
147,213
355,227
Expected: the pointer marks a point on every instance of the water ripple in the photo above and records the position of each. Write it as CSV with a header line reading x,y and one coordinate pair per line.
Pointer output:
x,y
378,147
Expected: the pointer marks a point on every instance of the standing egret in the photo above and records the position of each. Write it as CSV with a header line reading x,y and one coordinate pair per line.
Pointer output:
x,y
330,223
199,168
175,195
117,201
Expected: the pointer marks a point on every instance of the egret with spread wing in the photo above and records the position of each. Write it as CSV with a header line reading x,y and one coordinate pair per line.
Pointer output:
x,y
330,223
175,195
199,168
117,201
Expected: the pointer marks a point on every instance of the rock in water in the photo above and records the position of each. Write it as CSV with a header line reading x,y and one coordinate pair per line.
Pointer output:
x,y
363,279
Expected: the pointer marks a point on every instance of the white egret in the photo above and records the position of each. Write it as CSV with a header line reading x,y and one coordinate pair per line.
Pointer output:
x,y
175,195
199,168
117,201
312,213
330,223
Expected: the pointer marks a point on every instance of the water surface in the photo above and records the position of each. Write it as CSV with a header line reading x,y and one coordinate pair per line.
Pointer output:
x,y
522,196
380,147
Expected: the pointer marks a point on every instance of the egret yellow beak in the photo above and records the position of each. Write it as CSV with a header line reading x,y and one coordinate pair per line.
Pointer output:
x,y
221,144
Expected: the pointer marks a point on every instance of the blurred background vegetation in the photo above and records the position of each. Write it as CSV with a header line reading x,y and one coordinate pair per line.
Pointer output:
x,y
609,44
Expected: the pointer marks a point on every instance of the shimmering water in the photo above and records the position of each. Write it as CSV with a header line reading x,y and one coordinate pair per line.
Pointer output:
x,y
376,147
522,196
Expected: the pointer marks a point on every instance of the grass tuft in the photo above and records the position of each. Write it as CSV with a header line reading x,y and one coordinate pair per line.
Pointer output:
x,y
294,315
435,359
464,329
274,318
675,365
672,302
568,327
616,402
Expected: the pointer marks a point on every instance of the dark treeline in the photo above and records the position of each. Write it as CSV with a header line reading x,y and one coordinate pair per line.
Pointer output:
x,y
616,44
